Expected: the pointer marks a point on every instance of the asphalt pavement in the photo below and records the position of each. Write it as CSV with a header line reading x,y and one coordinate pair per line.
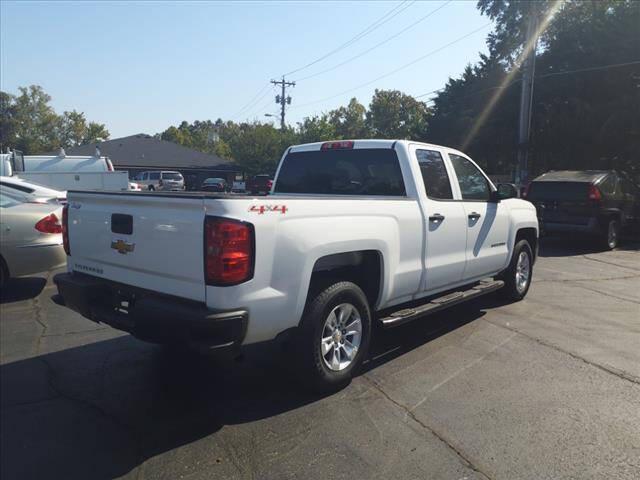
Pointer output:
x,y
547,388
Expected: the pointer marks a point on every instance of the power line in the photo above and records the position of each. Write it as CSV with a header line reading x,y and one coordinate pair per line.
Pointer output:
x,y
388,39
406,65
263,105
545,75
251,102
374,26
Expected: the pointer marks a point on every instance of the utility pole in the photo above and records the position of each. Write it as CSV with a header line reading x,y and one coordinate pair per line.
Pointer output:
x,y
282,99
526,99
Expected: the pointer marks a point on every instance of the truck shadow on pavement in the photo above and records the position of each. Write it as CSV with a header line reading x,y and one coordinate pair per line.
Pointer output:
x,y
100,410
19,289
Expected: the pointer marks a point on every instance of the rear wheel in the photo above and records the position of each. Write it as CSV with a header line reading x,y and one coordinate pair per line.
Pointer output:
x,y
151,188
611,235
517,276
334,336
4,273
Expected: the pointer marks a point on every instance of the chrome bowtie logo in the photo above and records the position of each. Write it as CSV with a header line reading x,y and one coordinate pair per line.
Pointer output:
x,y
123,247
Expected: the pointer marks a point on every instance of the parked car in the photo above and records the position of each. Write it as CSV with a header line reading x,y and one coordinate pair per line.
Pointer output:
x,y
30,235
354,231
259,184
161,180
36,193
214,185
596,203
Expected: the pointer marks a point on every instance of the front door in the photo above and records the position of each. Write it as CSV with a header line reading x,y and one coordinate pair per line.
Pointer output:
x,y
445,223
487,221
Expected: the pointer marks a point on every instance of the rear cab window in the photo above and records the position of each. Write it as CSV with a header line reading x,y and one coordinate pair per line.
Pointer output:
x,y
558,191
363,171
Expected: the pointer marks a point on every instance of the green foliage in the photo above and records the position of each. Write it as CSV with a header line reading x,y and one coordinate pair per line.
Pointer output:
x,y
393,114
580,120
30,124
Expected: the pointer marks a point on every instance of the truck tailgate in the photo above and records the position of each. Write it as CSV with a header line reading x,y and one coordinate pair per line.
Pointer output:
x,y
148,241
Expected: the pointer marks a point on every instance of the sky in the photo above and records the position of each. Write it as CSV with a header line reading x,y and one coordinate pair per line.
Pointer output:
x,y
140,67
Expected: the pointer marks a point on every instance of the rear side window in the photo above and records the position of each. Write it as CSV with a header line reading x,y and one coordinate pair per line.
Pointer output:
x,y
608,185
14,186
154,176
434,175
473,184
364,171
171,176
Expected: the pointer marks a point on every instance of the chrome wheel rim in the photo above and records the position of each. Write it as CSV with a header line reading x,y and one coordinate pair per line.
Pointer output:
x,y
341,337
523,272
612,235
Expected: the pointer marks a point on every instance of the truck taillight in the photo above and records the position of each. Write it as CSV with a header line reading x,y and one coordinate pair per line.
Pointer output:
x,y
341,145
65,229
594,193
228,251
49,224
109,165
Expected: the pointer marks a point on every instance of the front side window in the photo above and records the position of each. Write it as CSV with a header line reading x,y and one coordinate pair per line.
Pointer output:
x,y
473,184
434,175
364,171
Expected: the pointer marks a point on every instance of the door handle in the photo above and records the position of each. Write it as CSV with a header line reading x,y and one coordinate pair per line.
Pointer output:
x,y
436,218
474,216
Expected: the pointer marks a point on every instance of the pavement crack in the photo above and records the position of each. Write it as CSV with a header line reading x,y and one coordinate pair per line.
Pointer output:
x,y
569,280
409,413
624,299
587,257
43,325
605,368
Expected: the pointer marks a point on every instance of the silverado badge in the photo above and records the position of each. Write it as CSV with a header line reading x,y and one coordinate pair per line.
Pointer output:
x,y
123,247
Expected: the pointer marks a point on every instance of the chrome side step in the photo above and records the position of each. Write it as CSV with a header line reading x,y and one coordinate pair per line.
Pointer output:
x,y
440,303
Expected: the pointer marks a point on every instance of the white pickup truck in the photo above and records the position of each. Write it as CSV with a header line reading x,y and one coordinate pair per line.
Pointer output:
x,y
354,232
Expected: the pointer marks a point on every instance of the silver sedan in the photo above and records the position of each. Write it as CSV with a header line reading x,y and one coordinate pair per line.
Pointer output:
x,y
30,236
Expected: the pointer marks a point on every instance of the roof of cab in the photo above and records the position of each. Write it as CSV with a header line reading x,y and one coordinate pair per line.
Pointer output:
x,y
572,176
363,143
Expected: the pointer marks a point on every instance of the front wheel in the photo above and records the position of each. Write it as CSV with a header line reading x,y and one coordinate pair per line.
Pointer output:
x,y
517,276
334,336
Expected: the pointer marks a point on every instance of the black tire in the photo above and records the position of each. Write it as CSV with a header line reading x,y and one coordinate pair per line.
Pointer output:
x,y
611,234
313,369
151,188
513,291
4,273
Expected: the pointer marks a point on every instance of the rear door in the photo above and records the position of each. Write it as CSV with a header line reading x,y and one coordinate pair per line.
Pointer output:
x,y
149,241
487,222
445,222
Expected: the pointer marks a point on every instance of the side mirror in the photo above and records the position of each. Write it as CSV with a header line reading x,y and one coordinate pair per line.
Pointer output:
x,y
506,190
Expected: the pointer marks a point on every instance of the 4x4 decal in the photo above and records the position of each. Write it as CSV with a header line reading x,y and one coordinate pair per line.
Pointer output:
x,y
261,209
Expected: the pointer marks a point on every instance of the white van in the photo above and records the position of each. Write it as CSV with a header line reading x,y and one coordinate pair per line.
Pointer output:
x,y
59,163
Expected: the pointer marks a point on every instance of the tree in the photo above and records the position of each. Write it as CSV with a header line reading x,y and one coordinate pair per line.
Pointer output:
x,y
316,129
96,132
30,124
7,120
350,121
393,114
35,121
